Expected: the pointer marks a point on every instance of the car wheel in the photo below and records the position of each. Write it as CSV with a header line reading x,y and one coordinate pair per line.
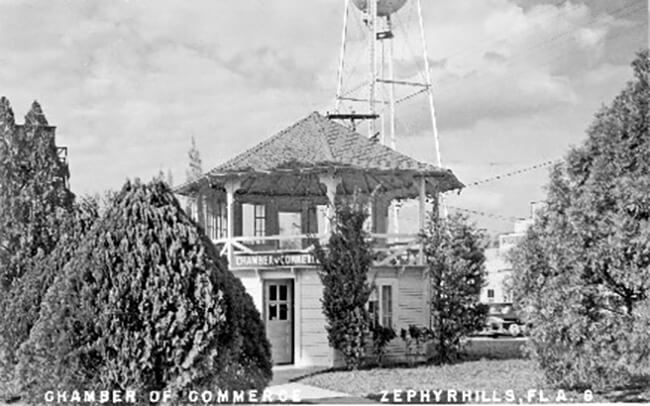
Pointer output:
x,y
514,330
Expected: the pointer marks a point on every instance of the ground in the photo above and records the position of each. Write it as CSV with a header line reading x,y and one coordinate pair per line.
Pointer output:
x,y
490,375
489,380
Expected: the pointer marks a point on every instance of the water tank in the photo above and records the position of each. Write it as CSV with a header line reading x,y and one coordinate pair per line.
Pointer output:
x,y
384,7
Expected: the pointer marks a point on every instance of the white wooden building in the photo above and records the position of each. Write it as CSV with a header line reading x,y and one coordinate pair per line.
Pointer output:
x,y
265,207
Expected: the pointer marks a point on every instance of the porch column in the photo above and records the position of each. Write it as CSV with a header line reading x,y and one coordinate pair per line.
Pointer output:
x,y
231,187
200,208
422,213
331,182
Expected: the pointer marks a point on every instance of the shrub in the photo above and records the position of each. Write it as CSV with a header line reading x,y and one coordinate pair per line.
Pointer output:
x,y
582,272
23,301
381,336
34,197
145,304
344,274
413,338
454,252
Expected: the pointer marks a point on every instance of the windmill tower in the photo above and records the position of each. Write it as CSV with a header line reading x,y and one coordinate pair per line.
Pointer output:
x,y
381,30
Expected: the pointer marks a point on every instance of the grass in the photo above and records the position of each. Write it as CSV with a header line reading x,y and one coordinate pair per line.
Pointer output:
x,y
518,375
474,375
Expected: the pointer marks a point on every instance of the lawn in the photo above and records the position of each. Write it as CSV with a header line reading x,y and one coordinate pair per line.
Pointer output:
x,y
495,377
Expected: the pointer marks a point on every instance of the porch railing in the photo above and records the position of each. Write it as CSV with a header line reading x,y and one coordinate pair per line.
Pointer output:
x,y
297,250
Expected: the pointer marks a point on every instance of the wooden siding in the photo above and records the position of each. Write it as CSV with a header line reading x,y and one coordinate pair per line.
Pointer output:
x,y
315,349
253,285
310,337
411,301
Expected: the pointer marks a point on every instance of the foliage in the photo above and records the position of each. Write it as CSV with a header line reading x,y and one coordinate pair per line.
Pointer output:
x,y
34,198
195,169
413,338
381,336
454,253
344,274
582,274
23,301
145,304
166,177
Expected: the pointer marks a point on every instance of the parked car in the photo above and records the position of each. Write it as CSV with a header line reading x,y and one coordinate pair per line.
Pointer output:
x,y
503,320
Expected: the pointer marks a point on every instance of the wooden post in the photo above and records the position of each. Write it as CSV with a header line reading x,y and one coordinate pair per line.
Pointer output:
x,y
422,213
231,187
200,207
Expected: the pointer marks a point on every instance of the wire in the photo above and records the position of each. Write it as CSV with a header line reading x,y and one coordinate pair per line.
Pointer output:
x,y
513,173
485,214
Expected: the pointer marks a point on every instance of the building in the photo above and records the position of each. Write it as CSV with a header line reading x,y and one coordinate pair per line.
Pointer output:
x,y
48,132
499,270
265,207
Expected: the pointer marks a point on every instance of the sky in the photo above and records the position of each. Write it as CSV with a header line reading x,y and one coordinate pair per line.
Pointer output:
x,y
128,83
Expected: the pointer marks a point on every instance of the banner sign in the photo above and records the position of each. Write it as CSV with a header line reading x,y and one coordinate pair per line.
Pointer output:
x,y
277,259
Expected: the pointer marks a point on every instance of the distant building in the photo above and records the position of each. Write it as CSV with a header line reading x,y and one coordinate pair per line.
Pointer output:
x,y
499,270
49,131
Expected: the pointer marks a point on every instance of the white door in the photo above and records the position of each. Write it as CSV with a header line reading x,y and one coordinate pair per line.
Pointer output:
x,y
278,309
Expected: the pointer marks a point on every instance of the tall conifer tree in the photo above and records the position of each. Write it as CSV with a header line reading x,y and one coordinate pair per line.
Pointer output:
x,y
34,197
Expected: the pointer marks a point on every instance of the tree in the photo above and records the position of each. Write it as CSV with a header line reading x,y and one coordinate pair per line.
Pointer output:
x,y
23,300
196,165
34,197
344,273
582,274
454,253
145,303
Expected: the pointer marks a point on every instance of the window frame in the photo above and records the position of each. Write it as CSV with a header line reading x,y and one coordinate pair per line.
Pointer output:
x,y
490,294
259,221
378,316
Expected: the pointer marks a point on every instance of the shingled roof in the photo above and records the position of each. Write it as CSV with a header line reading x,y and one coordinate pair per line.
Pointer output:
x,y
316,144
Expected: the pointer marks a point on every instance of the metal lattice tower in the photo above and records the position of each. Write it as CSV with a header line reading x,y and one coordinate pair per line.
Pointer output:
x,y
378,22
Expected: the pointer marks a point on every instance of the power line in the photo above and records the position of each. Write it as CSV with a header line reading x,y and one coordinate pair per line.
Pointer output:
x,y
513,173
485,214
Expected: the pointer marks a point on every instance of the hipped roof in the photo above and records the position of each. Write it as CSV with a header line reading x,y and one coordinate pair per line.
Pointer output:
x,y
289,163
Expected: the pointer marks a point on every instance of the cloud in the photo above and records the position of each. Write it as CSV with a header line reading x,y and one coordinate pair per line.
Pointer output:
x,y
496,57
128,82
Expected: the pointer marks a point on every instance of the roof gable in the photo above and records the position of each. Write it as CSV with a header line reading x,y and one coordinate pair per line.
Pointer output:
x,y
316,141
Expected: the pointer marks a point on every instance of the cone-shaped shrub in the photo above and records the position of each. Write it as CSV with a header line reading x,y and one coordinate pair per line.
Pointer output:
x,y
146,304
23,302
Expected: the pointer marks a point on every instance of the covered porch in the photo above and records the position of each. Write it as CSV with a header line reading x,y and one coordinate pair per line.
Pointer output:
x,y
267,206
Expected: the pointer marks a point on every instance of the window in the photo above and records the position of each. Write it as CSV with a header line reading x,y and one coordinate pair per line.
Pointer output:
x,y
387,306
290,223
216,219
490,295
221,220
254,221
380,306
279,302
259,221
373,309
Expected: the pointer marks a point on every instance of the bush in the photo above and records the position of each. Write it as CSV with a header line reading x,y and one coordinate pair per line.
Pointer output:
x,y
413,338
381,336
582,272
344,274
145,304
34,197
454,252
23,302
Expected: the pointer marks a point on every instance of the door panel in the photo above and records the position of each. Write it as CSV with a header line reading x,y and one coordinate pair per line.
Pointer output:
x,y
278,309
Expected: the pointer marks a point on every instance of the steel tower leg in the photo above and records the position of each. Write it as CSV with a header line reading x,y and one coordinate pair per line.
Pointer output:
x,y
432,108
339,73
